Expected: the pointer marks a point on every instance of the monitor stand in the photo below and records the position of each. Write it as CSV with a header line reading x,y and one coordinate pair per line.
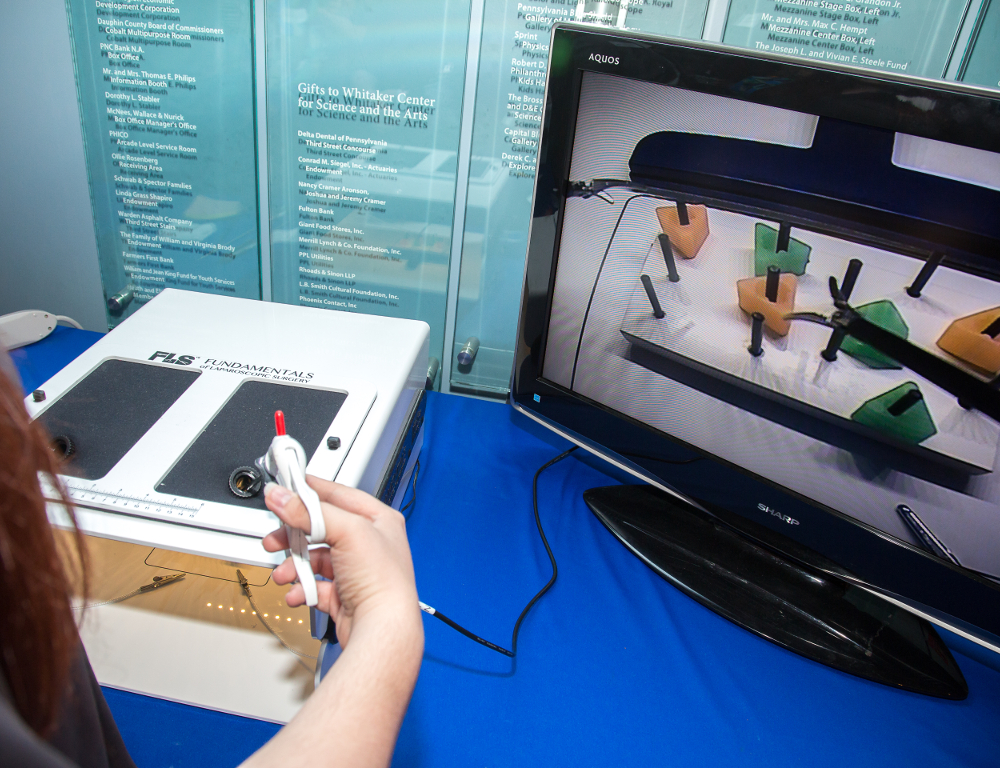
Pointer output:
x,y
805,609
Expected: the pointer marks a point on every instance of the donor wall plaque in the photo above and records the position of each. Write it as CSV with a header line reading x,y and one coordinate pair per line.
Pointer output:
x,y
166,100
913,36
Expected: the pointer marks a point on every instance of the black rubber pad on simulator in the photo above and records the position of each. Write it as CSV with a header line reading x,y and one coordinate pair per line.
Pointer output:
x,y
241,433
106,413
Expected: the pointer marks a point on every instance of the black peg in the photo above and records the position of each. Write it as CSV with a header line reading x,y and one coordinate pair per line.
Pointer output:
x,y
668,257
682,214
756,335
651,295
772,283
784,237
925,274
836,339
993,329
851,277
38,395
906,402
333,443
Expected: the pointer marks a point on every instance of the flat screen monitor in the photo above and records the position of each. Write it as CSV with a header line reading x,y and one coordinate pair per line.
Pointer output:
x,y
770,288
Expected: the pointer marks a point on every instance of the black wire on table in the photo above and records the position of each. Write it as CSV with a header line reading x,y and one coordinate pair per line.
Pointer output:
x,y
555,573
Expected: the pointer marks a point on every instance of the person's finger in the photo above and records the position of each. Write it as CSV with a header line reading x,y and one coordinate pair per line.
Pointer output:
x,y
346,498
319,560
326,595
284,573
340,522
276,541
296,596
343,526
287,506
324,565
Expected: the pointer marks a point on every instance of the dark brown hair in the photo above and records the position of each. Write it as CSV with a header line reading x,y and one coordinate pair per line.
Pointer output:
x,y
38,634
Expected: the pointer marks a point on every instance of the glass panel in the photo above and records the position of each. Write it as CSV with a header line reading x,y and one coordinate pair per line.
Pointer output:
x,y
912,36
982,63
166,97
364,107
509,98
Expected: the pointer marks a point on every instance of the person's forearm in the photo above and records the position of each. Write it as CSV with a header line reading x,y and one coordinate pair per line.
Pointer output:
x,y
354,716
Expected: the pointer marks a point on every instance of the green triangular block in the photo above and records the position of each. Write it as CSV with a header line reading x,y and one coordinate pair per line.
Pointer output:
x,y
765,240
884,314
914,425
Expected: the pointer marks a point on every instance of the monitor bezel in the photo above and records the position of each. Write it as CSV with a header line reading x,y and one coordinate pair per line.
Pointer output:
x,y
953,597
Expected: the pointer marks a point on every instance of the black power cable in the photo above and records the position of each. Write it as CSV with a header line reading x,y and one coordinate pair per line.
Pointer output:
x,y
555,573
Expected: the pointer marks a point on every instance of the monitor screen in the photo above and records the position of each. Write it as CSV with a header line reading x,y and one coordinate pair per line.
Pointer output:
x,y
714,232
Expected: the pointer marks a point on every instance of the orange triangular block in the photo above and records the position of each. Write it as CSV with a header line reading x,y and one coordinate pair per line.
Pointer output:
x,y
753,299
687,239
965,340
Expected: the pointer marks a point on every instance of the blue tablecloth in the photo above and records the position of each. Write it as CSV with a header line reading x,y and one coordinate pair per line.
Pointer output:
x,y
615,666
39,362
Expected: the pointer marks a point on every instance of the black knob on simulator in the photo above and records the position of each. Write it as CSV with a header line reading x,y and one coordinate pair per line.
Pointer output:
x,y
62,446
756,335
668,257
925,274
245,482
651,295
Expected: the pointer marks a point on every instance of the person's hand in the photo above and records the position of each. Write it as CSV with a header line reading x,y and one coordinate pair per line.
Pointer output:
x,y
368,559
354,715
